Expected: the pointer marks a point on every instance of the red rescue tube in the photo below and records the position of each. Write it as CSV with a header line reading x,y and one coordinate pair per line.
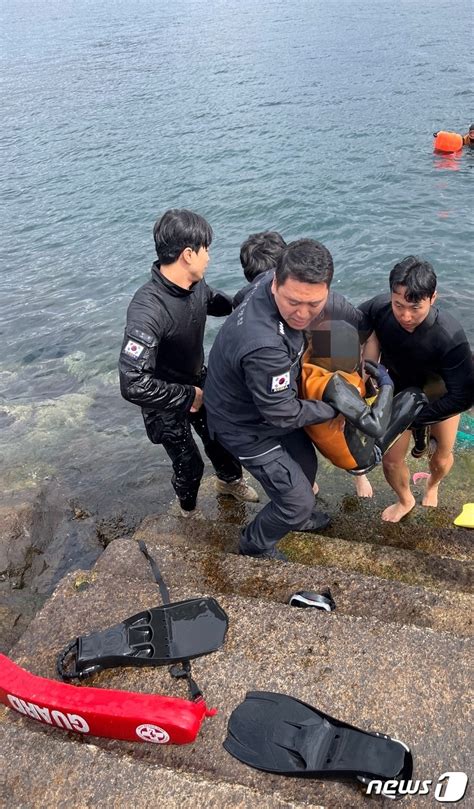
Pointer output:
x,y
447,142
99,711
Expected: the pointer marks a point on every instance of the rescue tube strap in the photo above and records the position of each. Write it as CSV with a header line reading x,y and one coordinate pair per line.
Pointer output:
x,y
183,669
165,593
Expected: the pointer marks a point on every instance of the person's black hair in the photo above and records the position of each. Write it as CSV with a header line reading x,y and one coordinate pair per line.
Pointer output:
x,y
417,276
471,127
260,252
178,229
305,260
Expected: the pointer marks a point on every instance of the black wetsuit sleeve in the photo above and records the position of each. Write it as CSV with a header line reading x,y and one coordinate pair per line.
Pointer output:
x,y
372,420
137,362
457,373
339,308
271,379
218,303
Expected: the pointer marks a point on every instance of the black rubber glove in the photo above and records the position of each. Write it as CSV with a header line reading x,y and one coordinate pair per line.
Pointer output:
x,y
378,372
377,455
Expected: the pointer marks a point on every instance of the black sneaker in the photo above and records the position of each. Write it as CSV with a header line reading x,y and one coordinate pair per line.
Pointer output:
x,y
274,554
318,521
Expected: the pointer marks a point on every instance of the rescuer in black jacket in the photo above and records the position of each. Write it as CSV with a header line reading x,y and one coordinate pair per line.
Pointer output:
x,y
161,363
420,345
259,254
252,396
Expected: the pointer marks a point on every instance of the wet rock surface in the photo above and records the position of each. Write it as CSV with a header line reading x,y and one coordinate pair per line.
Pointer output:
x,y
50,529
185,562
45,778
17,609
393,657
42,536
401,679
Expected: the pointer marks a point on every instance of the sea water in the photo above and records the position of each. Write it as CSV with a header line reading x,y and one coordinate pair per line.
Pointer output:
x,y
311,117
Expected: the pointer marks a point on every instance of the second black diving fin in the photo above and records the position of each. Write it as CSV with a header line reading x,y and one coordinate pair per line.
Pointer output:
x,y
280,734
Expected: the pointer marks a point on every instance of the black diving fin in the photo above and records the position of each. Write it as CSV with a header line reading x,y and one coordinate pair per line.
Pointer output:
x,y
155,637
280,734
173,633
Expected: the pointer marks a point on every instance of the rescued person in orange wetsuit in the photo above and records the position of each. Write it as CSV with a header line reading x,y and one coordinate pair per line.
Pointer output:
x,y
374,418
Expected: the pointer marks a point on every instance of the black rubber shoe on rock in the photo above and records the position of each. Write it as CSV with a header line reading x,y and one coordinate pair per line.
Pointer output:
x,y
318,521
274,554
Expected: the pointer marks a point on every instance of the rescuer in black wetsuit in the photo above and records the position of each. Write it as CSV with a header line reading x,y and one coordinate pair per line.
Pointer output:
x,y
162,358
419,344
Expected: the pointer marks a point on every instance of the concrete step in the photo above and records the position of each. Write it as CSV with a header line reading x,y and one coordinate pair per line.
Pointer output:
x,y
43,777
436,573
404,680
354,519
359,595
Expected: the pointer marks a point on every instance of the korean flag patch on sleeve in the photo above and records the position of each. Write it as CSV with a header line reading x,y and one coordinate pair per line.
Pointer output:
x,y
133,349
280,382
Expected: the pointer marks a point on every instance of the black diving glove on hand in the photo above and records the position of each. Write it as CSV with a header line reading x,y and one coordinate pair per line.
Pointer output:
x,y
378,372
378,454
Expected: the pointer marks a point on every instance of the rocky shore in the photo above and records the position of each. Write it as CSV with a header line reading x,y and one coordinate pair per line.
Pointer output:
x,y
47,531
394,657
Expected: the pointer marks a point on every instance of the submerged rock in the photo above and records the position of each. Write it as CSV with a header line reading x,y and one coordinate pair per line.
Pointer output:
x,y
41,539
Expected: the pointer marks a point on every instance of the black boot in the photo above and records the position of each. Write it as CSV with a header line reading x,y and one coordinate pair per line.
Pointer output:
x,y
318,521
272,553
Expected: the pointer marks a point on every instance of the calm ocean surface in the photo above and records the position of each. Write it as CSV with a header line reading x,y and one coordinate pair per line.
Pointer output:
x,y
311,117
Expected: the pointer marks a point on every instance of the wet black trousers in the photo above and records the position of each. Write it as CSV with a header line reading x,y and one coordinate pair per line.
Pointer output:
x,y
287,475
175,434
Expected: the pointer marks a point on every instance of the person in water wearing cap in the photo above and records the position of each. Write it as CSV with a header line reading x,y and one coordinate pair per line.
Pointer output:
x,y
468,139
420,345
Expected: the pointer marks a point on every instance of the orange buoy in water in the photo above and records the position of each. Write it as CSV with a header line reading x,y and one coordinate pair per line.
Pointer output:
x,y
447,142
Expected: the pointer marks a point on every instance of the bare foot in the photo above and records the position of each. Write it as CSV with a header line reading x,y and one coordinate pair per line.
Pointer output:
x,y
396,512
431,495
315,489
363,486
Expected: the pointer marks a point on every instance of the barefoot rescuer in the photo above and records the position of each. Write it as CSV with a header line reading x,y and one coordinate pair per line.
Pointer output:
x,y
420,345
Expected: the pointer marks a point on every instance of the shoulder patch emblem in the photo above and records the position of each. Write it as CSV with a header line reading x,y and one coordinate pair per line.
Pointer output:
x,y
280,382
133,349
